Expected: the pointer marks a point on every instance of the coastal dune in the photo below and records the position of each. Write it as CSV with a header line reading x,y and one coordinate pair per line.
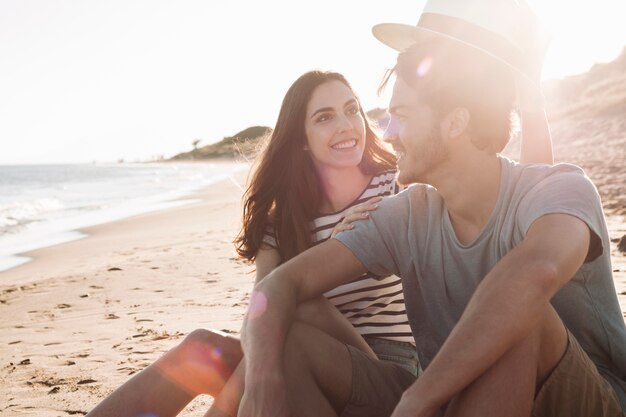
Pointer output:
x,y
84,316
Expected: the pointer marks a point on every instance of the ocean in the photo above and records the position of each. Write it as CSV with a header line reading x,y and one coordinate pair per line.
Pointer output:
x,y
43,205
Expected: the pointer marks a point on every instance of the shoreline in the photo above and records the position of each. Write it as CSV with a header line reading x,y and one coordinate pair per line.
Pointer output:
x,y
43,257
59,231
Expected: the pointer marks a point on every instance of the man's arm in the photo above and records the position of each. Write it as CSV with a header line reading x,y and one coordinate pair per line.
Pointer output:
x,y
504,310
271,311
536,141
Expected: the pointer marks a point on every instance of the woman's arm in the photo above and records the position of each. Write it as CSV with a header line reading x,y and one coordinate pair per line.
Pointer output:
x,y
536,142
267,259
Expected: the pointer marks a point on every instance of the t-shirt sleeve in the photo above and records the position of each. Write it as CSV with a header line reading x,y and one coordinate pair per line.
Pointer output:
x,y
569,192
375,241
269,237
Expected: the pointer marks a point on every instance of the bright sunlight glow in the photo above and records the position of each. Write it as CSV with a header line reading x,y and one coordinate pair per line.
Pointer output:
x,y
87,80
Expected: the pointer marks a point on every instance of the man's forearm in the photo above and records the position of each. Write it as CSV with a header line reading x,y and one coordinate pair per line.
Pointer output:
x,y
500,314
267,322
536,143
507,306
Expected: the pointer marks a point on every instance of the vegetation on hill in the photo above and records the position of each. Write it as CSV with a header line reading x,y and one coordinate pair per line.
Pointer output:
x,y
242,144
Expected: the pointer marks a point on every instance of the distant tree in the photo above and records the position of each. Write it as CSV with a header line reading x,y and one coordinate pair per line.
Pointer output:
x,y
195,143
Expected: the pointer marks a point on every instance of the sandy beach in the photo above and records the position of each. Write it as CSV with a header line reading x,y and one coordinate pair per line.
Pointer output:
x,y
83,316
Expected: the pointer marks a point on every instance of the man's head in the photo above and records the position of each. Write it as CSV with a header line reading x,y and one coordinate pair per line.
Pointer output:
x,y
448,102
463,61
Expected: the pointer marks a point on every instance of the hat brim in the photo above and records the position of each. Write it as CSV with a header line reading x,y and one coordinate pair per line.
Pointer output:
x,y
401,37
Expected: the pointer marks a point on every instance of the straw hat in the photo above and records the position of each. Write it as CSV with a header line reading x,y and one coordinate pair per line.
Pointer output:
x,y
506,30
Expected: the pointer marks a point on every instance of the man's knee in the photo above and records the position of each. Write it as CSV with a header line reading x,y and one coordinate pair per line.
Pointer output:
x,y
553,344
541,350
212,343
297,345
312,358
307,348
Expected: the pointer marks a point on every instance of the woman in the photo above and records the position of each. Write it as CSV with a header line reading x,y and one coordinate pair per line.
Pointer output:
x,y
323,167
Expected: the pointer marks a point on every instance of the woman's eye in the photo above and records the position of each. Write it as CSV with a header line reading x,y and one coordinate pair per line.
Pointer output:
x,y
324,117
352,111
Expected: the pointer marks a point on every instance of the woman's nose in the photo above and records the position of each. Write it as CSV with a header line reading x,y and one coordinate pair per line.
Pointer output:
x,y
344,123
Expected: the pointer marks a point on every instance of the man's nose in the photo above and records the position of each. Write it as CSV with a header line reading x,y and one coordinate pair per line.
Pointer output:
x,y
391,132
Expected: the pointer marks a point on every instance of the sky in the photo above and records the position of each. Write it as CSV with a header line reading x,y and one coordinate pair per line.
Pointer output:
x,y
86,81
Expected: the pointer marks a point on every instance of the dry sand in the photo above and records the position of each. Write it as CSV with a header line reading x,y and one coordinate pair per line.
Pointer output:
x,y
83,316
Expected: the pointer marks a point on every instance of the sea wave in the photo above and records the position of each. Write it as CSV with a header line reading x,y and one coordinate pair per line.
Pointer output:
x,y
46,205
15,215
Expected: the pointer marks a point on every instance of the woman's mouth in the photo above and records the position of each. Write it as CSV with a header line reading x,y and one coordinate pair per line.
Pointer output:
x,y
346,144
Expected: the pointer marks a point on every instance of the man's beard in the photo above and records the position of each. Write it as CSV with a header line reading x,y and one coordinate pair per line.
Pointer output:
x,y
432,153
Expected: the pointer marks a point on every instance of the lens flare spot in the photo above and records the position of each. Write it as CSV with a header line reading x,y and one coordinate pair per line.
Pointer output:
x,y
424,67
196,367
258,305
392,128
216,353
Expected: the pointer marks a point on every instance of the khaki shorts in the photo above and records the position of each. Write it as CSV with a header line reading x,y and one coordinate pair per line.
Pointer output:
x,y
377,386
575,388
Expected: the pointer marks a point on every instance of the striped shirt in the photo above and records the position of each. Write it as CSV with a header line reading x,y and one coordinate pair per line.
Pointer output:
x,y
374,305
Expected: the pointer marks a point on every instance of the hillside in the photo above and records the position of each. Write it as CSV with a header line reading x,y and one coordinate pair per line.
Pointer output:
x,y
242,144
587,115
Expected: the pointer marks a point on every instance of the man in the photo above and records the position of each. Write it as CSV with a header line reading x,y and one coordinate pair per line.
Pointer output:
x,y
506,268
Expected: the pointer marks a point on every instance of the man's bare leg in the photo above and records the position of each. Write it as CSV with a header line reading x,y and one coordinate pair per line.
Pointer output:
x,y
318,313
509,387
318,371
200,364
227,402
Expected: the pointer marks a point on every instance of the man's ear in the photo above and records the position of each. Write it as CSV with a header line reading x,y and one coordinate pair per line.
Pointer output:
x,y
456,122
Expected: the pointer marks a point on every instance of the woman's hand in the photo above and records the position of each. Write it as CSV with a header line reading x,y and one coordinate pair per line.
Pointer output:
x,y
358,212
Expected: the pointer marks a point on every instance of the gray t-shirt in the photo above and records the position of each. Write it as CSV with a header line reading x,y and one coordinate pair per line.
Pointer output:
x,y
410,235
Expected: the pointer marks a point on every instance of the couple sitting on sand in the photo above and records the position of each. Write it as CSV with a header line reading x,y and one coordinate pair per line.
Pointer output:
x,y
505,267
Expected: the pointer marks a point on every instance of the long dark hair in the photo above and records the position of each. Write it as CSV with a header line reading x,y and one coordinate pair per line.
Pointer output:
x,y
284,192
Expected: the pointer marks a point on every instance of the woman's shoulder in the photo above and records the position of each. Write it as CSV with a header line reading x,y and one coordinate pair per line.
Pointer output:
x,y
382,184
384,175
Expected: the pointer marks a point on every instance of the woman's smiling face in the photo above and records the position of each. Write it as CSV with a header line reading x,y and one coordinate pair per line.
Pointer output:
x,y
334,127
